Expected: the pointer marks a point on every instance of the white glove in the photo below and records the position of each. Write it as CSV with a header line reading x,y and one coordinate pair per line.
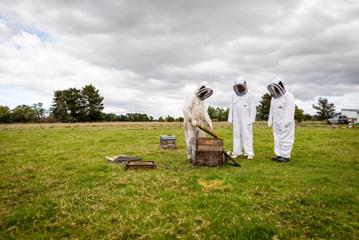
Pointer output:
x,y
194,123
210,126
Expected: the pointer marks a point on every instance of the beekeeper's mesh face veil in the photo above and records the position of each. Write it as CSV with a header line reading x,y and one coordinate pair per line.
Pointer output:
x,y
204,91
240,88
276,87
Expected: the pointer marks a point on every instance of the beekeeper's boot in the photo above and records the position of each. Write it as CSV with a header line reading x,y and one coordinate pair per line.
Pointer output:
x,y
283,159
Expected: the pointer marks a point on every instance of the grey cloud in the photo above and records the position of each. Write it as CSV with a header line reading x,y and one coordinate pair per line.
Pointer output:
x,y
169,45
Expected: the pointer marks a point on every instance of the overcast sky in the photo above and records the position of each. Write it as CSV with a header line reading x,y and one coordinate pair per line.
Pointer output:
x,y
146,56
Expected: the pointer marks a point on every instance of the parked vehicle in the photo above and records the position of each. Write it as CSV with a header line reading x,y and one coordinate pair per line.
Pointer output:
x,y
338,119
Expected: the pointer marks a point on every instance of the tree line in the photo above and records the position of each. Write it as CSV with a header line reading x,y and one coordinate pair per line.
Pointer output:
x,y
22,113
325,110
86,105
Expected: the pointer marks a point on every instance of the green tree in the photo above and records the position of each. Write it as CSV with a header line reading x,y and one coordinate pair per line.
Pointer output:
x,y
307,117
122,118
74,105
59,107
129,117
179,119
264,107
217,113
67,105
5,114
212,112
23,113
39,111
169,119
223,114
298,114
110,117
138,117
324,109
91,103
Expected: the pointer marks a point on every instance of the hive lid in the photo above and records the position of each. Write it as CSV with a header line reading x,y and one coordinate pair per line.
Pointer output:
x,y
168,137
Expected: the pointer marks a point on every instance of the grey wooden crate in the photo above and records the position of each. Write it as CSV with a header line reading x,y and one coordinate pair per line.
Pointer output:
x,y
168,142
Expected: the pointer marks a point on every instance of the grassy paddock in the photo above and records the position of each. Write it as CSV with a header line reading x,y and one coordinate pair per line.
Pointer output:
x,y
55,183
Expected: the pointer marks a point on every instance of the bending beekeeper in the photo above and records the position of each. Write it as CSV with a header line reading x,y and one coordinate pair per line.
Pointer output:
x,y
281,119
242,113
196,112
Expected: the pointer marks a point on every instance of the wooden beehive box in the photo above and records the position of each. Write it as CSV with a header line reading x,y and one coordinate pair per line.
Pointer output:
x,y
209,152
168,142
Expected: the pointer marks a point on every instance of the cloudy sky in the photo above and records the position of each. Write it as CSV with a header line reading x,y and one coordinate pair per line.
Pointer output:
x,y
146,56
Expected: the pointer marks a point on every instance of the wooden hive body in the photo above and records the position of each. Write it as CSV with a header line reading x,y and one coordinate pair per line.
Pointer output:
x,y
209,152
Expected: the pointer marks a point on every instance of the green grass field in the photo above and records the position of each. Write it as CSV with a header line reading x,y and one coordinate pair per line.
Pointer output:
x,y
55,183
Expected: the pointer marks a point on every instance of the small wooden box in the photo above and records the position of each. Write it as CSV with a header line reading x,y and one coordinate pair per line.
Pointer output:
x,y
209,152
140,165
168,142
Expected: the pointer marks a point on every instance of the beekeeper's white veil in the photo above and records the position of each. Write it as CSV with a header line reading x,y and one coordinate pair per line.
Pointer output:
x,y
276,87
240,87
204,91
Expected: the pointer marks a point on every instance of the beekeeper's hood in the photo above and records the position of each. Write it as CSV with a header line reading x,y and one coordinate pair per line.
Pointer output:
x,y
204,91
240,87
276,87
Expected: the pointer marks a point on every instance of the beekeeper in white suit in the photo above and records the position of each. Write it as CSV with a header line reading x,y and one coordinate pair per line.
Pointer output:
x,y
195,112
281,119
242,113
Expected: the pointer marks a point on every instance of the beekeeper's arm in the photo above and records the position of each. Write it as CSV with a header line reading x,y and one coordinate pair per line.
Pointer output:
x,y
289,110
187,111
270,117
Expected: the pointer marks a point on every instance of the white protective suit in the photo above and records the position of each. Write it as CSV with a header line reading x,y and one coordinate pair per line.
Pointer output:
x,y
281,118
242,113
195,112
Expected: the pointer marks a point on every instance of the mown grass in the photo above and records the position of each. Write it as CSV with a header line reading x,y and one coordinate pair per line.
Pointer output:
x,y
55,183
